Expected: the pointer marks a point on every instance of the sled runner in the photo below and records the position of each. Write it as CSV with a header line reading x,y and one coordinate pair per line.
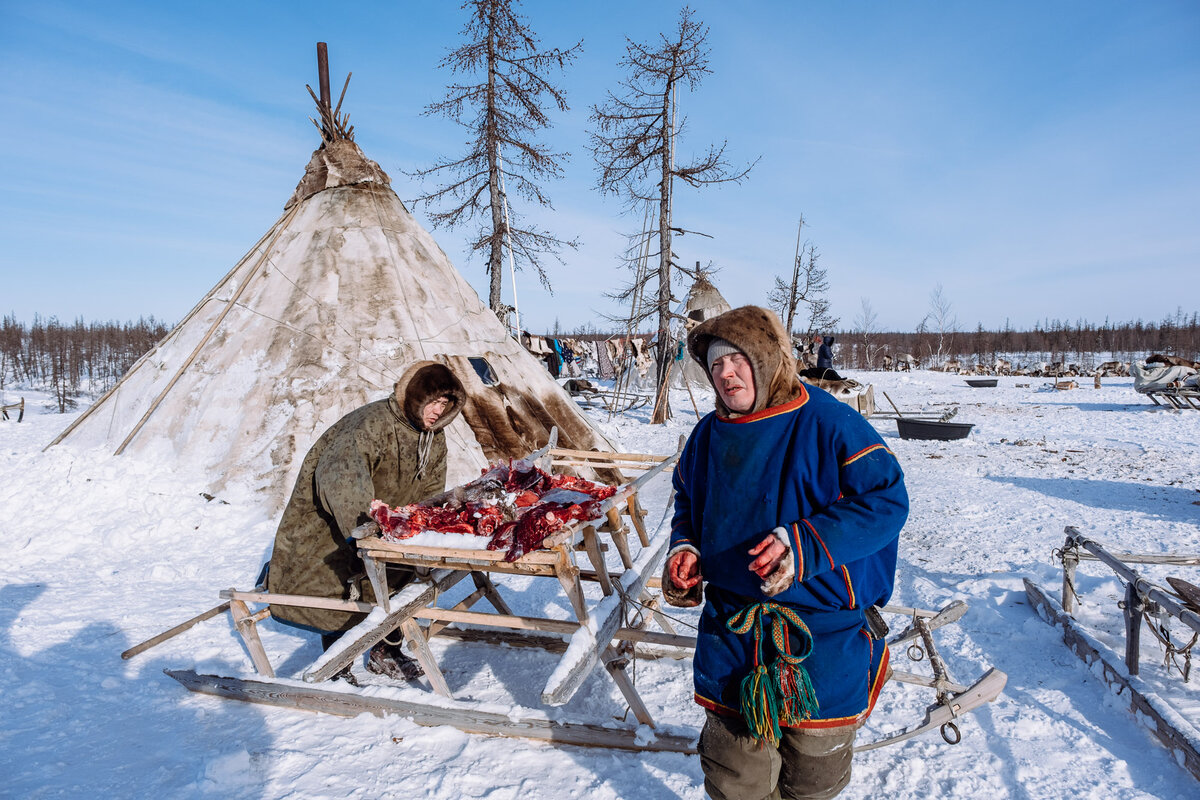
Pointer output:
x,y
954,702
1144,602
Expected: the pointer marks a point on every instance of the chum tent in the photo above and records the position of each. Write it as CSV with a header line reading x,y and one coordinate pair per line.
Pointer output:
x,y
321,316
703,303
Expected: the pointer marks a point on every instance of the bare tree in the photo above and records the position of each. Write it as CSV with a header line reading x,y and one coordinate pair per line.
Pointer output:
x,y
942,323
808,286
503,111
633,143
866,329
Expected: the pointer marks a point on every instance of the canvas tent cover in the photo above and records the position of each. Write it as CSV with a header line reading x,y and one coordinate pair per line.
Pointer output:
x,y
322,316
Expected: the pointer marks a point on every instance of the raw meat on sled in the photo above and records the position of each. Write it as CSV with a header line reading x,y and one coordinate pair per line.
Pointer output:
x,y
516,505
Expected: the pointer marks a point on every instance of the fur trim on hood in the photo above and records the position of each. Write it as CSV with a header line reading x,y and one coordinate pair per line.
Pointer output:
x,y
425,381
759,334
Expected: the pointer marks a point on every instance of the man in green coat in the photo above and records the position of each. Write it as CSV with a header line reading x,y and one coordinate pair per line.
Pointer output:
x,y
392,450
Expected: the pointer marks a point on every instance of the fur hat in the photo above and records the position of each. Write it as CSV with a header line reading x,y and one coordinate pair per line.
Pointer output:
x,y
425,381
760,336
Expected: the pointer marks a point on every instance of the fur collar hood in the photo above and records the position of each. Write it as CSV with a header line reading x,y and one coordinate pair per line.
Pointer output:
x,y
759,334
425,381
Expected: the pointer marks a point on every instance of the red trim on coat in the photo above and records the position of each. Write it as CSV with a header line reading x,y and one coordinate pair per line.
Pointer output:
x,y
849,587
877,682
864,452
773,411
821,542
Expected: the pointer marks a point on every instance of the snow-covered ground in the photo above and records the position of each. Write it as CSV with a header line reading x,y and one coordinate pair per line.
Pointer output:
x,y
100,553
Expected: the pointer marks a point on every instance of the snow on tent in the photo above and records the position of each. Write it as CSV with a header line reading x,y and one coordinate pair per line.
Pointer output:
x,y
321,316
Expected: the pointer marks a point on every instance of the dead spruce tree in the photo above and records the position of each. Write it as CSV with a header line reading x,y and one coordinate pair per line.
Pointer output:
x,y
633,143
503,110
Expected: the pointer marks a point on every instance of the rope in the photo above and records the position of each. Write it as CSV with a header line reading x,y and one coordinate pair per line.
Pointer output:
x,y
1171,651
779,693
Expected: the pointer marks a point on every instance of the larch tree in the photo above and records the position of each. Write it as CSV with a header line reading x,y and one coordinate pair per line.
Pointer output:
x,y
809,285
633,143
503,104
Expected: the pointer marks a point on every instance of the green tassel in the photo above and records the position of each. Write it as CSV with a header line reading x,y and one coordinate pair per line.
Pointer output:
x,y
761,703
781,694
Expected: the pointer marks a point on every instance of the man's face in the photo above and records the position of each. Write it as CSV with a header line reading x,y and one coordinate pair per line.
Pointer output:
x,y
734,379
433,411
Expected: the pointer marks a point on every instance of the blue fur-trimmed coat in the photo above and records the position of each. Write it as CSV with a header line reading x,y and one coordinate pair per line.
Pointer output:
x,y
815,467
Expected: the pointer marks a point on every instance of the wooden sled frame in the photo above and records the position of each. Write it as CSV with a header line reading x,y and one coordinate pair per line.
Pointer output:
x,y
613,401
1178,399
1141,597
599,634
18,407
953,702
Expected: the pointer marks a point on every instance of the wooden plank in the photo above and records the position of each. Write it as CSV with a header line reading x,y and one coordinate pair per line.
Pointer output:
x,y
1146,558
173,632
518,623
370,631
621,540
653,645
596,556
638,516
562,451
615,664
420,647
381,548
568,576
355,606
492,594
470,720
933,620
377,574
1182,746
246,627
564,683
464,605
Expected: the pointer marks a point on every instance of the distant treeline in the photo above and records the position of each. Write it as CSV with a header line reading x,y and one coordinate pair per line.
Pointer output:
x,y
90,357
78,357
1081,343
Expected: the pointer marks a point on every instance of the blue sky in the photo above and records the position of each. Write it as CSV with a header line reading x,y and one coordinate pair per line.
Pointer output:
x,y
1035,159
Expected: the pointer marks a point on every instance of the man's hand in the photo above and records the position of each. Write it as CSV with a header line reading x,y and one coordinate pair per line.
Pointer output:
x,y
770,552
684,569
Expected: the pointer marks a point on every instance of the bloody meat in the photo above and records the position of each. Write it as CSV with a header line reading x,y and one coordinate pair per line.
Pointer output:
x,y
504,504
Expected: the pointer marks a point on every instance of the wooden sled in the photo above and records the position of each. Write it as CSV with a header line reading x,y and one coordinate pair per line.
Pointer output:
x,y
954,702
612,400
1141,597
599,634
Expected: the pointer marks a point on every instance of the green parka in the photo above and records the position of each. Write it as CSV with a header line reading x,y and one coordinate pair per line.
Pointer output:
x,y
371,453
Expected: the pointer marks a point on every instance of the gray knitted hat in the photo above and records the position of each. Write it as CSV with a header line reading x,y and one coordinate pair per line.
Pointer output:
x,y
717,348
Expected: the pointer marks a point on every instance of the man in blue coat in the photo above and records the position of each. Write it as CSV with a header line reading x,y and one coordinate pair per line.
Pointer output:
x,y
788,506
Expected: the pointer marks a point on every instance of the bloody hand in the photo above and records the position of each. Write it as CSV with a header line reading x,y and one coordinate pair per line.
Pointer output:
x,y
770,551
684,569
